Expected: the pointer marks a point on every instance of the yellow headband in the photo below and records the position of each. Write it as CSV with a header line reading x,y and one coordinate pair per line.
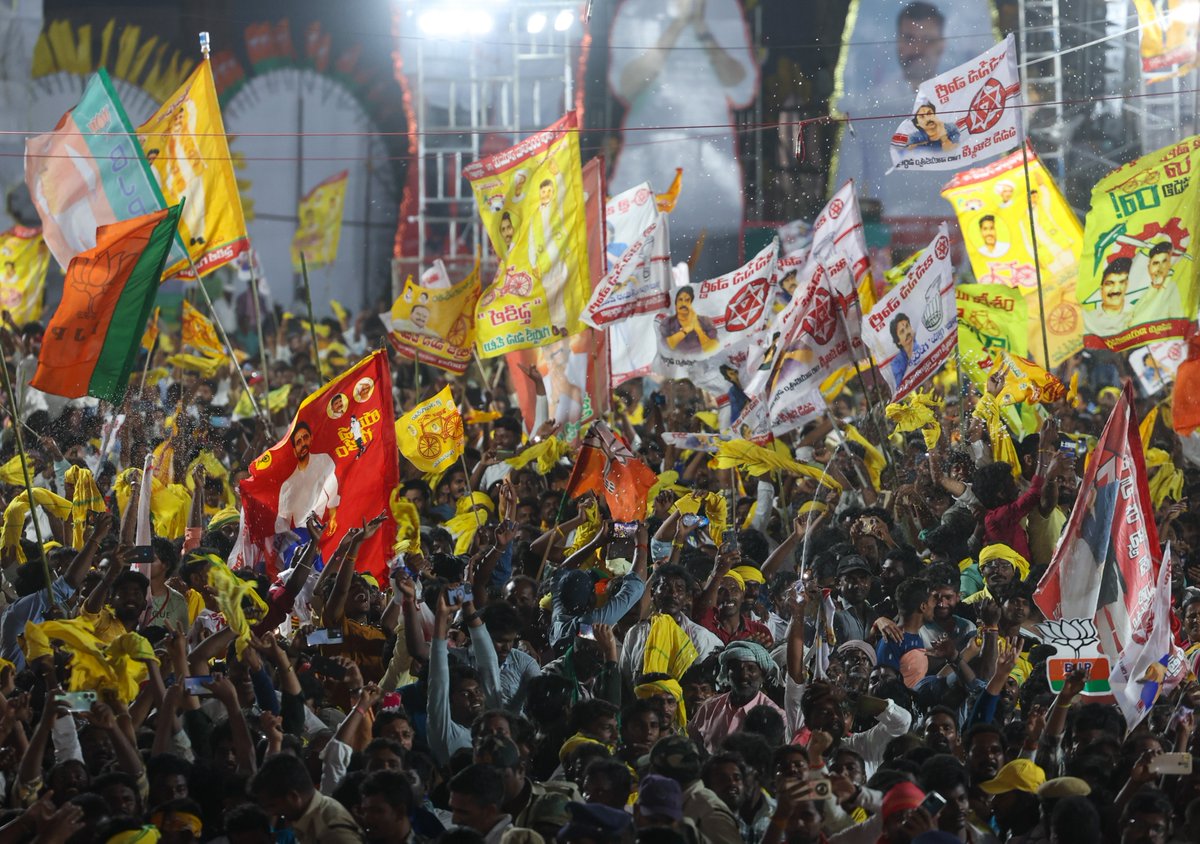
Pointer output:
x,y
736,578
177,822
475,499
654,688
1000,551
750,574
145,835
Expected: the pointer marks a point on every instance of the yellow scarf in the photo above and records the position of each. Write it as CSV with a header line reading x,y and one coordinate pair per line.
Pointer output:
x,y
1167,482
118,666
916,412
214,469
170,506
1003,450
1000,551
668,649
230,589
465,524
547,453
85,497
12,474
18,509
408,523
654,688
716,508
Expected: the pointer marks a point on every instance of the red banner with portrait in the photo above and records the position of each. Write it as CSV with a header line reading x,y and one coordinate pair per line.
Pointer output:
x,y
338,461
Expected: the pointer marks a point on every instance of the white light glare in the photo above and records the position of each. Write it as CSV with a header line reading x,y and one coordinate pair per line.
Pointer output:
x,y
536,23
564,20
455,22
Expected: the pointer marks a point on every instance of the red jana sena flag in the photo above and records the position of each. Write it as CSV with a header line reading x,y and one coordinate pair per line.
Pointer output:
x,y
337,461
608,468
1106,562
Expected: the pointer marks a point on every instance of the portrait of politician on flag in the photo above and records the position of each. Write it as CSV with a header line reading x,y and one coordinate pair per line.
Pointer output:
x,y
312,487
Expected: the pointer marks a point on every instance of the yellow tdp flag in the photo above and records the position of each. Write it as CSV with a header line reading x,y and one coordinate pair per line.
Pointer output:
x,y
1137,274
199,332
320,227
993,213
1169,29
431,434
277,400
186,147
23,262
530,198
150,336
446,312
998,314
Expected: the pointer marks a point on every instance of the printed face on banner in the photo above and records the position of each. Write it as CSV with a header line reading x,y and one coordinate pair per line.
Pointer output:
x,y
1137,282
638,273
913,328
963,116
531,201
993,214
24,259
1157,365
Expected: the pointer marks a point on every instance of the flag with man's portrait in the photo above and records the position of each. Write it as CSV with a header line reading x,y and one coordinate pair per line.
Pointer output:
x,y
338,462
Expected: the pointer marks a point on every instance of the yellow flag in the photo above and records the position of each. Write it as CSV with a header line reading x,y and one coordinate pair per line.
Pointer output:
x,y
150,337
185,144
999,314
320,227
993,213
530,199
431,434
436,325
666,201
277,400
23,262
199,332
1170,29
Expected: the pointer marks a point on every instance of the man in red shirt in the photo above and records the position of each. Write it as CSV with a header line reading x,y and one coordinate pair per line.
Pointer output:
x,y
725,618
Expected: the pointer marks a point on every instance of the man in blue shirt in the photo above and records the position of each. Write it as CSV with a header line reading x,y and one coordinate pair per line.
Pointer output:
x,y
915,602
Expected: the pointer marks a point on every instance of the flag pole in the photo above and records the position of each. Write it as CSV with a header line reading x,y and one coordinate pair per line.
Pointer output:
x,y
312,328
33,514
228,345
146,367
462,459
1037,264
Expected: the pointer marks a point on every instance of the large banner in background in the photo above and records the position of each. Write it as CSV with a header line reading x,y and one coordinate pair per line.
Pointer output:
x,y
24,260
320,228
1169,29
638,257
993,214
963,116
1137,278
913,327
530,198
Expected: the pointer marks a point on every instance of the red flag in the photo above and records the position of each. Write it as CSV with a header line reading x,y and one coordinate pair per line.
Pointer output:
x,y
607,467
338,460
1106,563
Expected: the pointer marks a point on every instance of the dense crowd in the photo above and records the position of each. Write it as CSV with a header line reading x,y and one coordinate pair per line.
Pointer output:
x,y
799,658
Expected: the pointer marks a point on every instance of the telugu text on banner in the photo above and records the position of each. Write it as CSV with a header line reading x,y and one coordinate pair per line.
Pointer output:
x,y
913,327
993,214
530,198
963,116
638,253
1137,274
436,325
1169,33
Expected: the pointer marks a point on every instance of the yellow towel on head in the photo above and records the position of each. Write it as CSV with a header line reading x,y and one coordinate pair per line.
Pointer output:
x,y
653,688
750,574
219,519
18,509
214,469
85,498
1000,551
575,741
668,649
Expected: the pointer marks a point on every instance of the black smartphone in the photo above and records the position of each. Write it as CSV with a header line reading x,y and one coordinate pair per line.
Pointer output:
x,y
328,667
141,555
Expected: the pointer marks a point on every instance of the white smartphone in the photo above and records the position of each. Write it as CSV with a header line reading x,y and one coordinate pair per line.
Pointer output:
x,y
1174,764
325,636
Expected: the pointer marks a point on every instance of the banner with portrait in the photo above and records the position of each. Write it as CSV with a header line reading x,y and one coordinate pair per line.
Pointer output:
x,y
993,214
913,327
1157,364
964,116
1169,30
436,325
24,259
531,201
637,277
1137,276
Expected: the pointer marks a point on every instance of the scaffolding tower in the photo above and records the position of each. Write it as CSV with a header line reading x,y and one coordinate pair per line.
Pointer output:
x,y
473,97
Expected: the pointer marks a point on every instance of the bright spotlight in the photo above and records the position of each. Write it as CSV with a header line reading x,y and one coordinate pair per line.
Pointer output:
x,y
455,22
564,20
436,22
479,22
536,23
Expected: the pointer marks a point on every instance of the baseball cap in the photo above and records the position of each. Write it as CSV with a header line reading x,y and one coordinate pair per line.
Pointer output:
x,y
1060,787
1017,775
575,591
549,809
660,796
852,562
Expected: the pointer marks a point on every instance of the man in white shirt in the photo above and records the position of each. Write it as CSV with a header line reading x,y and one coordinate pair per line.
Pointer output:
x,y
992,247
311,488
671,591
1160,301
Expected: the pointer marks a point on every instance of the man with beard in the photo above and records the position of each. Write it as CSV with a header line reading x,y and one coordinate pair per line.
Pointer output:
x,y
670,593
757,805
825,711
941,732
986,755
1000,565
853,617
126,593
745,666
945,621
725,775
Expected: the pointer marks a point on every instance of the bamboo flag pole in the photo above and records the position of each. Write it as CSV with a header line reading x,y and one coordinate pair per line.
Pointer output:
x,y
312,327
37,528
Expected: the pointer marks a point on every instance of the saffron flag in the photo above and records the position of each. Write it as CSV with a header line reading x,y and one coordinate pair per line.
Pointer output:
x,y
993,212
1137,274
638,255
431,435
320,228
337,462
199,332
88,172
531,200
1105,567
981,104
24,259
913,327
435,325
1150,664
608,468
93,338
185,143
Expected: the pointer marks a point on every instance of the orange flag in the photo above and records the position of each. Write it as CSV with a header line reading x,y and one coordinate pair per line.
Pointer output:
x,y
607,467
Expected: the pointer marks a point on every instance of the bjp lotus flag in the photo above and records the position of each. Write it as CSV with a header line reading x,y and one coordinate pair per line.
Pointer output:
x,y
431,434
337,463
185,144
92,339
320,228
199,332
607,467
23,262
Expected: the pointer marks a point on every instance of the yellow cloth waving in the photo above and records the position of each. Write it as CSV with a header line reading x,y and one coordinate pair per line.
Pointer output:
x,y
668,649
1003,450
18,509
230,589
85,498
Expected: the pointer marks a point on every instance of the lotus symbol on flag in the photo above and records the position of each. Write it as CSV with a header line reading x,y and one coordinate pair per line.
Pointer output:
x,y
987,107
1073,633
96,273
